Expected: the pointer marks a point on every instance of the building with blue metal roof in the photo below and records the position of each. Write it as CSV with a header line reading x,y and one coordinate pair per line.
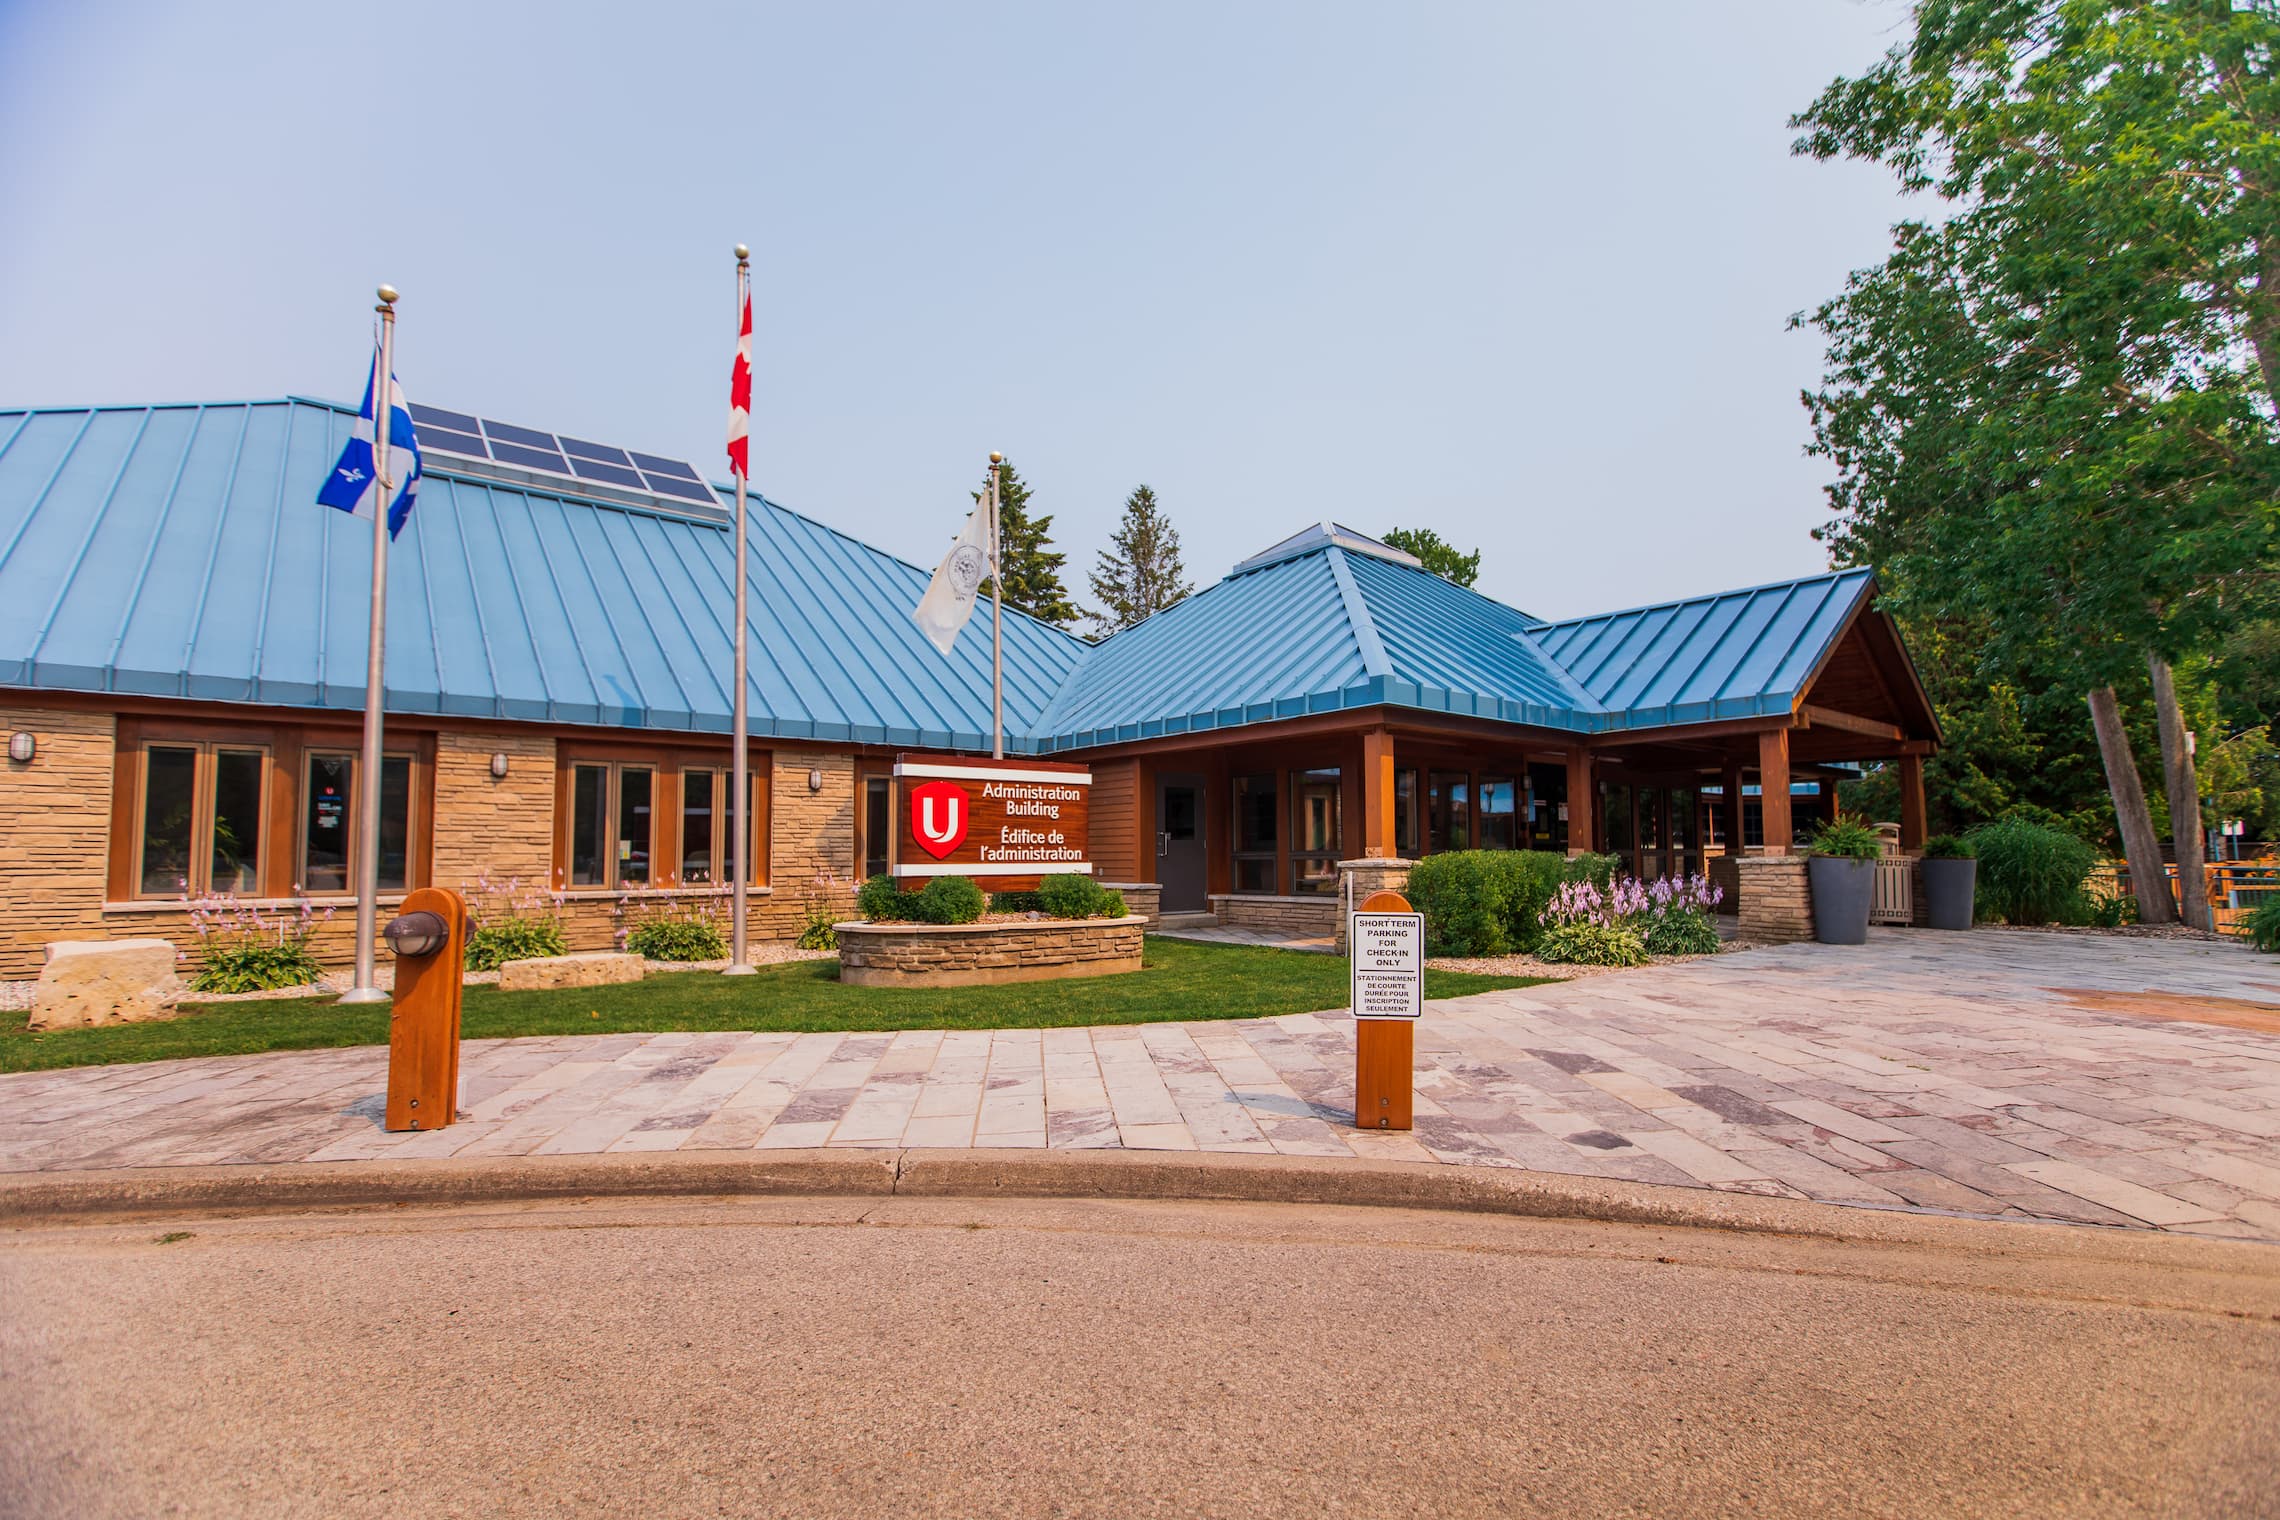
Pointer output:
x,y
182,639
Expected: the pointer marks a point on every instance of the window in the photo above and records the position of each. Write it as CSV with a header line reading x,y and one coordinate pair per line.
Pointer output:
x,y
1499,815
1615,836
1255,834
700,829
613,825
878,824
200,819
1405,841
332,820
1547,799
1315,841
628,826
1448,812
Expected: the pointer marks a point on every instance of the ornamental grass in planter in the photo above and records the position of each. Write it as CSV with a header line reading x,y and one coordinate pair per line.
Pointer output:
x,y
1949,873
1841,866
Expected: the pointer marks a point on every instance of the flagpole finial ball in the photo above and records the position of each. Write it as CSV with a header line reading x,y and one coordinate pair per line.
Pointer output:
x,y
996,457
742,253
387,295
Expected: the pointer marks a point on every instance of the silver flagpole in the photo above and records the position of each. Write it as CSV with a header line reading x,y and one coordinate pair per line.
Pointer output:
x,y
367,856
997,620
738,962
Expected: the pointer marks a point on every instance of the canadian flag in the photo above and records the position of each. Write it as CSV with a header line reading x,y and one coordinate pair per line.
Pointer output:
x,y
740,399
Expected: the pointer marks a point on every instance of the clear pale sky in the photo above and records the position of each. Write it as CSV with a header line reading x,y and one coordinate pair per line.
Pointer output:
x,y
1516,272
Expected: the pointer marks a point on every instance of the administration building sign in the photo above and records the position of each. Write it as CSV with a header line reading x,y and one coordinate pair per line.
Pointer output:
x,y
1007,824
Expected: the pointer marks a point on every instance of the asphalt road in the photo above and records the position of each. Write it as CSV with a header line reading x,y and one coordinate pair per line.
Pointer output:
x,y
915,1357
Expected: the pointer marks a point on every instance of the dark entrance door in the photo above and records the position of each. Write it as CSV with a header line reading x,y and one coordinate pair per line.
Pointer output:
x,y
1180,843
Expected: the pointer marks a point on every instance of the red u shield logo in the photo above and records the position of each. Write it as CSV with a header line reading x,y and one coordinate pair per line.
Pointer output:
x,y
938,812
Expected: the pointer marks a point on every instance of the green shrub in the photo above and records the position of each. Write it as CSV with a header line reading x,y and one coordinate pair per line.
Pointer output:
x,y
1016,902
2030,873
1847,839
2263,924
1489,902
1589,943
949,900
250,966
243,949
678,935
882,902
514,939
1073,896
1681,931
1946,847
1599,870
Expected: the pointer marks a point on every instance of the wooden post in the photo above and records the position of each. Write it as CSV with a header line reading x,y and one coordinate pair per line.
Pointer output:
x,y
1773,788
423,1026
1385,1052
1912,804
1378,841
1582,804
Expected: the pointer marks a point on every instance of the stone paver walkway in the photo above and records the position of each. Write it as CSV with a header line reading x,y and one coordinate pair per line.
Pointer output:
x,y
1949,1072
1270,939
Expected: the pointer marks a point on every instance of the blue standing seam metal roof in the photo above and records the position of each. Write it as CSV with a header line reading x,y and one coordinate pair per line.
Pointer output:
x,y
178,551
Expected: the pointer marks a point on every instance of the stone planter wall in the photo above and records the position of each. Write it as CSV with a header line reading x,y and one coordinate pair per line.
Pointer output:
x,y
1283,915
1143,900
1775,899
980,955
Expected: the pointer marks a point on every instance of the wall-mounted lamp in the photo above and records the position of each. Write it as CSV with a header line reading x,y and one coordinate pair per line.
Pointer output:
x,y
499,766
815,778
21,747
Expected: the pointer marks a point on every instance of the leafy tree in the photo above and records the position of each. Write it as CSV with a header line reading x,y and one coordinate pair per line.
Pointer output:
x,y
2050,411
1032,569
1443,559
1140,574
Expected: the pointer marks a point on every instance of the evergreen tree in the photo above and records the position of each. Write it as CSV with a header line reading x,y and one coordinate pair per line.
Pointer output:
x,y
1032,569
1443,559
1140,574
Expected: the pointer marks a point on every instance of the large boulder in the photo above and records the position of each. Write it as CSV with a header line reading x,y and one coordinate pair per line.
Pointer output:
x,y
105,981
592,968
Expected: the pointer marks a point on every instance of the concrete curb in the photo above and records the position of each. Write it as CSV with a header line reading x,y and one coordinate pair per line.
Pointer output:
x,y
37,1199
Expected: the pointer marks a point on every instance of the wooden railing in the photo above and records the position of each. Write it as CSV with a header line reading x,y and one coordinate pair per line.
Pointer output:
x,y
2236,887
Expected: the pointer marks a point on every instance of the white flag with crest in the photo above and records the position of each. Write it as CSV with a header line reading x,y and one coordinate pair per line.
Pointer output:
x,y
949,598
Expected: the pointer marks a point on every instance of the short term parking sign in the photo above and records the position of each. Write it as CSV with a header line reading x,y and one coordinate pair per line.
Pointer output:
x,y
1389,965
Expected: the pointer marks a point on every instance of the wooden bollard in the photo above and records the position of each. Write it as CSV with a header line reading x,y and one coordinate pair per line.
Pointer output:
x,y
429,936
1386,941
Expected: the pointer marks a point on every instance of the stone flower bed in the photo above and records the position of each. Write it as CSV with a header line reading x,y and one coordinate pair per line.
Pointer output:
x,y
999,949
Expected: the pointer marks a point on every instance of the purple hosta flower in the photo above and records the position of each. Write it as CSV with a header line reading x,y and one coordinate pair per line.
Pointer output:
x,y
1627,900
1575,902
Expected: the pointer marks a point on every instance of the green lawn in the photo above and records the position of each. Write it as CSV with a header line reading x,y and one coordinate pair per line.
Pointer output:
x,y
1182,980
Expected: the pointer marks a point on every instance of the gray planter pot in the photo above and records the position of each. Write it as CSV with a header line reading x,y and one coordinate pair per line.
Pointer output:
x,y
1948,888
1842,892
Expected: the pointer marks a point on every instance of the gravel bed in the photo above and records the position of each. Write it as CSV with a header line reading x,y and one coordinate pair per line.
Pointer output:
x,y
2124,931
1528,965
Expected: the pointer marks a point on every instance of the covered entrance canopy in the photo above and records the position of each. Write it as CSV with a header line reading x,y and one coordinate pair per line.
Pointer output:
x,y
1331,699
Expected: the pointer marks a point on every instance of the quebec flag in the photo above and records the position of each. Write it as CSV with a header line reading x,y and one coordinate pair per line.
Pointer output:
x,y
353,485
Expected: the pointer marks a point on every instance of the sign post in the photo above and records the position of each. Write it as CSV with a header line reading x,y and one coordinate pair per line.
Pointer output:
x,y
1387,943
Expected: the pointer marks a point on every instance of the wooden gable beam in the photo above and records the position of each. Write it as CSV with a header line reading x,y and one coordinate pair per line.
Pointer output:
x,y
1844,722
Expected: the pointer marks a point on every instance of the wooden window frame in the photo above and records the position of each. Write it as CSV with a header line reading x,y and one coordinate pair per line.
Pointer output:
x,y
282,744
1298,856
864,775
198,872
1236,854
667,766
413,855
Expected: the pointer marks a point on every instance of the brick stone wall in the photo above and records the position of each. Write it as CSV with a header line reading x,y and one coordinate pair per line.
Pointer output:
x,y
1364,877
1283,915
1776,900
972,955
55,832
500,827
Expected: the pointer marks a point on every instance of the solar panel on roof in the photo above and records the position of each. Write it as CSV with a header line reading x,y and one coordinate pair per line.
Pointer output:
x,y
529,438
594,469
652,465
461,433
436,416
579,448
